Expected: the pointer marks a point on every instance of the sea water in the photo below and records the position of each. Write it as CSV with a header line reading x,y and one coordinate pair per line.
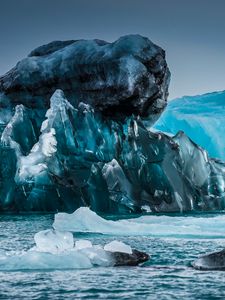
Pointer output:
x,y
168,275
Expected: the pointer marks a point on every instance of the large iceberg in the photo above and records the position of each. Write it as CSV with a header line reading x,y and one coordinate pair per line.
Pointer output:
x,y
82,159
89,143
201,117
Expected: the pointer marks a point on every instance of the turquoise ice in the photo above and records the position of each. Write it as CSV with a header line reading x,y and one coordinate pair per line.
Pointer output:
x,y
201,117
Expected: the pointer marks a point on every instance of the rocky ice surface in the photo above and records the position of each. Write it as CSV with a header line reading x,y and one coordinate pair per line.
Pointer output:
x,y
89,143
57,250
201,118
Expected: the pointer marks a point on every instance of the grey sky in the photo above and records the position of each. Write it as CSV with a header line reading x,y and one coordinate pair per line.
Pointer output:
x,y
191,32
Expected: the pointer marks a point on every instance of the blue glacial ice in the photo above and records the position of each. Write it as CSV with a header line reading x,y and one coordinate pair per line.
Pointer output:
x,y
202,118
79,158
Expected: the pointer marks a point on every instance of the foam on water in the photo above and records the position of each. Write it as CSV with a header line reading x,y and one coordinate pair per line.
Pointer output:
x,y
85,220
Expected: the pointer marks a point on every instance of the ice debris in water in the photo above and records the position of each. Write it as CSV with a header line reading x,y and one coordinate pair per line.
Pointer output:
x,y
79,158
85,220
201,118
53,241
117,246
58,250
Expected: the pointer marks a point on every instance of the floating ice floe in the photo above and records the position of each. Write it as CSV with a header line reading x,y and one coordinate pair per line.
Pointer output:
x,y
85,220
58,250
53,241
116,246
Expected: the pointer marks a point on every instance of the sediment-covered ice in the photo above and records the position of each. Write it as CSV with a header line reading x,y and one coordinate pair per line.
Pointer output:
x,y
85,220
211,261
75,131
128,76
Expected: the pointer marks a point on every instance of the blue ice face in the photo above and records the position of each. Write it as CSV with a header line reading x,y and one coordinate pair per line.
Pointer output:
x,y
202,118
77,158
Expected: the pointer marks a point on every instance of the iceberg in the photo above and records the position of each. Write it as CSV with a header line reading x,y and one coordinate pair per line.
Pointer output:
x,y
201,118
117,246
86,221
75,132
57,250
53,241
79,158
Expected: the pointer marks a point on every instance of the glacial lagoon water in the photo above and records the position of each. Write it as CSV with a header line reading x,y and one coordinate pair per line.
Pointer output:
x,y
167,275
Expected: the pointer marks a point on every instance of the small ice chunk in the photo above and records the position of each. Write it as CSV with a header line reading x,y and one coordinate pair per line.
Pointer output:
x,y
98,257
82,244
117,246
53,241
146,208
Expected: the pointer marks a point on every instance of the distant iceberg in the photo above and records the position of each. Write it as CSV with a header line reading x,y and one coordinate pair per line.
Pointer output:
x,y
85,220
202,118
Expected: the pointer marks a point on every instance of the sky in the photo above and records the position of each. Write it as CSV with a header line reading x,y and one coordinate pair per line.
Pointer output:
x,y
191,32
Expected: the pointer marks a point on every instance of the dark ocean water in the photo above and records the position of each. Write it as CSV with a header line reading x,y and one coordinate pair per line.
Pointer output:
x,y
168,275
